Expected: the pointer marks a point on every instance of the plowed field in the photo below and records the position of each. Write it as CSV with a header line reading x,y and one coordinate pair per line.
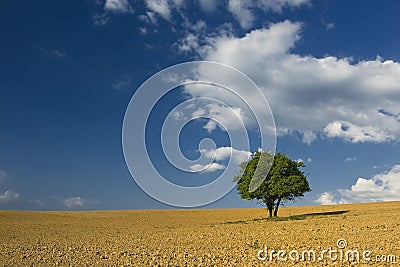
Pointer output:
x,y
368,234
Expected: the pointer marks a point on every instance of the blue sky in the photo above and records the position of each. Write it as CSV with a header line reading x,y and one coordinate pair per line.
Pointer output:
x,y
329,69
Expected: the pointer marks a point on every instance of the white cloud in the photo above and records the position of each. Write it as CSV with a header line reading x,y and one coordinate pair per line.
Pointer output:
x,y
381,187
208,5
178,115
330,25
309,160
349,159
198,26
207,168
309,137
150,17
118,6
159,7
316,97
9,196
326,198
222,115
220,154
278,5
189,43
227,117
73,202
223,153
243,10
356,134
142,30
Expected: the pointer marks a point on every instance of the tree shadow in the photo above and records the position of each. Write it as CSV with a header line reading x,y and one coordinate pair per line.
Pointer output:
x,y
328,213
291,218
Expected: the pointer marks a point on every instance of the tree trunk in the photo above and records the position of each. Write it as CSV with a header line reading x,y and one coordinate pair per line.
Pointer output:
x,y
270,207
277,207
270,211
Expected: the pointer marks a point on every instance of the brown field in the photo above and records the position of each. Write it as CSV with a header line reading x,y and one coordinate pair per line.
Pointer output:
x,y
225,237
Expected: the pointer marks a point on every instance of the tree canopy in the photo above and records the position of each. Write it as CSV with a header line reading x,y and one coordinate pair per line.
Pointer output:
x,y
278,179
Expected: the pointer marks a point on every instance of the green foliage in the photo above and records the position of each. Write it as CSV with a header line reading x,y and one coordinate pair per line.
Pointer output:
x,y
271,179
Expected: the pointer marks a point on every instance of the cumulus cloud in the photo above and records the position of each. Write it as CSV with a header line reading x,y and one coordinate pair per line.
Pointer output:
x,y
326,198
381,187
118,6
324,97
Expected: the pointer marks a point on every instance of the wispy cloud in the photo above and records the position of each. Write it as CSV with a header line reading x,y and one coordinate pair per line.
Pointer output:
x,y
100,19
121,84
9,196
330,25
245,12
350,159
54,52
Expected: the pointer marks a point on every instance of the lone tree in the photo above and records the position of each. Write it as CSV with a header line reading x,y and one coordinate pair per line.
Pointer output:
x,y
280,179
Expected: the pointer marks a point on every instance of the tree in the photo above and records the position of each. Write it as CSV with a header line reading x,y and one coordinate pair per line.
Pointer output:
x,y
278,179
